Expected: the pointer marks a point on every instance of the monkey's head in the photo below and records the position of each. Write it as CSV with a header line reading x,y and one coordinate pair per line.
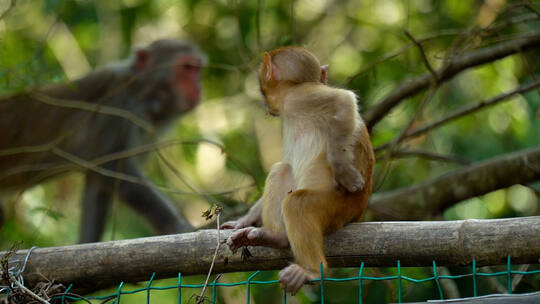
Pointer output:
x,y
175,66
285,67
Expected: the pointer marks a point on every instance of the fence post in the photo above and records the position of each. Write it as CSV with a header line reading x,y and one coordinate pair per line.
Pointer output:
x,y
179,288
509,275
437,280
214,291
322,284
66,291
248,287
474,276
118,293
360,283
148,288
399,280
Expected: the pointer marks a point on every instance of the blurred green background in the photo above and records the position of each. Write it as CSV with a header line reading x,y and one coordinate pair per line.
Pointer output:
x,y
45,41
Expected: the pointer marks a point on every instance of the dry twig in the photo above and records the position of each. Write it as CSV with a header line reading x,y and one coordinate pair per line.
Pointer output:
x,y
217,212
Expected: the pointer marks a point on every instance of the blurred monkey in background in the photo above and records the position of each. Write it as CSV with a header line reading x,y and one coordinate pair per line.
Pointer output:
x,y
46,131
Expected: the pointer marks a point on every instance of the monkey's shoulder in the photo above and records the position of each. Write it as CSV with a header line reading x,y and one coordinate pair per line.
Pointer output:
x,y
319,94
318,99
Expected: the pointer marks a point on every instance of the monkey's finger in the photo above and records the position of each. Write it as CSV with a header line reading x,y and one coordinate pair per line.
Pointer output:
x,y
233,246
233,243
284,276
300,277
298,280
228,225
351,179
352,188
239,225
230,243
288,277
295,286
239,238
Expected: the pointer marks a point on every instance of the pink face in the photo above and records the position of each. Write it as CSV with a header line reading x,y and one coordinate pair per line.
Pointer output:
x,y
186,81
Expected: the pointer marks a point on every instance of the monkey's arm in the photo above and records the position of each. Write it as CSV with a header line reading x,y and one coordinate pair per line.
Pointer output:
x,y
252,218
344,123
151,204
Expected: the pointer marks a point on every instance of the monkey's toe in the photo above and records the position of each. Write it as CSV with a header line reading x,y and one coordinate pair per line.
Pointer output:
x,y
293,277
240,238
254,236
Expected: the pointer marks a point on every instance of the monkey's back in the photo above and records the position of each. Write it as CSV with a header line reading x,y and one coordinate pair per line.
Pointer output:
x,y
40,124
364,162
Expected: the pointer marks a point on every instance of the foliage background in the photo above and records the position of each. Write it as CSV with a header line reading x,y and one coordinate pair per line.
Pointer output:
x,y
44,41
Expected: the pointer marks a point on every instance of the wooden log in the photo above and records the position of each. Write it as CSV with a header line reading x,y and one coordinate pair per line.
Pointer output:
x,y
450,243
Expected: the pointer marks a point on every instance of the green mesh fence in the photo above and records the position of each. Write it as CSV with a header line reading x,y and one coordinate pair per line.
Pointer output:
x,y
251,282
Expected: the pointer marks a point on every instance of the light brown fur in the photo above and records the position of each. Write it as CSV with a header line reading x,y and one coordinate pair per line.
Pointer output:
x,y
325,178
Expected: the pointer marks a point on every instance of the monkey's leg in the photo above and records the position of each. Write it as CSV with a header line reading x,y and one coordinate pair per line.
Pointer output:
x,y
307,215
95,206
150,204
279,182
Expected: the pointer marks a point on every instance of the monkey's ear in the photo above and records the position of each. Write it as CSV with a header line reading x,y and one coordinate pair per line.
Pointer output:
x,y
270,72
142,59
324,72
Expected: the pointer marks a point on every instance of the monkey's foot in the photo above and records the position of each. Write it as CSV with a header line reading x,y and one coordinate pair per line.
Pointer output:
x,y
253,236
294,276
349,177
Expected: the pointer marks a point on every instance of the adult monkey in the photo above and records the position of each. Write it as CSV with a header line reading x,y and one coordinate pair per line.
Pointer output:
x,y
47,130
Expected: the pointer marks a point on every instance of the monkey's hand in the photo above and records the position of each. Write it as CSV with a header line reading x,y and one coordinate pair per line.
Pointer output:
x,y
252,219
349,177
245,221
238,224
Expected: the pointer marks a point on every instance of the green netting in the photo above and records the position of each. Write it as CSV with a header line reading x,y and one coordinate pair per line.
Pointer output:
x,y
360,278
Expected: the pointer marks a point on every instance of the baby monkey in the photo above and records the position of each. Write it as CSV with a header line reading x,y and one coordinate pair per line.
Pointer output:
x,y
325,178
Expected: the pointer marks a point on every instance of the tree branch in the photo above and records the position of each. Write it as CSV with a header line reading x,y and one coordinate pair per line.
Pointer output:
x,y
429,155
448,32
97,265
434,196
466,110
454,66
422,55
